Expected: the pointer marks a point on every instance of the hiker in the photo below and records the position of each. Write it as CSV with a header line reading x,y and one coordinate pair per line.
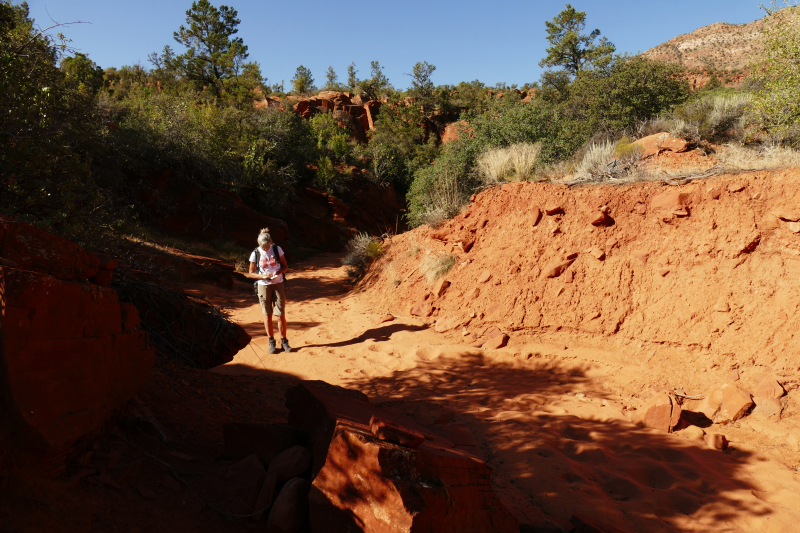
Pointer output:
x,y
267,265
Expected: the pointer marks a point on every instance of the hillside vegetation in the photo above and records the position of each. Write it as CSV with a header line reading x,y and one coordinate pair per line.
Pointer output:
x,y
80,140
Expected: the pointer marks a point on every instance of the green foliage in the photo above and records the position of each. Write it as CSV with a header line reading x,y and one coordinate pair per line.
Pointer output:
x,y
332,139
421,84
712,117
569,48
331,80
303,82
83,72
46,124
352,79
376,86
629,90
212,54
776,101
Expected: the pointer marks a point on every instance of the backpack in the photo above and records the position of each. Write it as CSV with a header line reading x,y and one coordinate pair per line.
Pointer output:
x,y
258,267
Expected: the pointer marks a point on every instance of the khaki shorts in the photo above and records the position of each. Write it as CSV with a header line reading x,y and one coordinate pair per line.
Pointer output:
x,y
272,296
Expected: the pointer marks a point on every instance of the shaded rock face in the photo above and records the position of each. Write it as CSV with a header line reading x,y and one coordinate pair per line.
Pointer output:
x,y
182,208
73,353
328,222
367,484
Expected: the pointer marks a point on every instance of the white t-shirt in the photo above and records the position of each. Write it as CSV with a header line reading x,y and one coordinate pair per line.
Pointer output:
x,y
268,264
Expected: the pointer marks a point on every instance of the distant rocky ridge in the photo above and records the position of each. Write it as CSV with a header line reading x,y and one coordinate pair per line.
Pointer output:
x,y
719,46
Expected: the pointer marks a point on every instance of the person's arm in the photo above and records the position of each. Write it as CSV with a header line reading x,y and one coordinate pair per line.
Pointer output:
x,y
284,266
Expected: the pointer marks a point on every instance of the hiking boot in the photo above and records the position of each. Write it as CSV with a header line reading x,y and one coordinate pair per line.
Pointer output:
x,y
286,347
271,348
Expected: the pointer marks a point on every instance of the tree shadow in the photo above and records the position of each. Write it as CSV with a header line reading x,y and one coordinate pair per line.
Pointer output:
x,y
381,334
603,466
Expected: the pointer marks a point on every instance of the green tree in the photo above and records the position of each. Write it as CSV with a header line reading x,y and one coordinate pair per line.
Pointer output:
x,y
571,49
776,102
212,54
84,72
375,86
331,79
303,82
352,79
421,84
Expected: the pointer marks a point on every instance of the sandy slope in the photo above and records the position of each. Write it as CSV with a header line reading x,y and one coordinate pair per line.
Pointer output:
x,y
551,450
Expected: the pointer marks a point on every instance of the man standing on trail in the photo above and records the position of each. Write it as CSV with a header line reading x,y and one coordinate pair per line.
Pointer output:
x,y
267,265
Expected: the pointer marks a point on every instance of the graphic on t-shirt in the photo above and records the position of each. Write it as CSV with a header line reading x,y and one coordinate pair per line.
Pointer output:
x,y
268,264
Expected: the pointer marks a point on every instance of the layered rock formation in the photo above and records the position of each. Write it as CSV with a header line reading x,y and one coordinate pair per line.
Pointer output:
x,y
72,352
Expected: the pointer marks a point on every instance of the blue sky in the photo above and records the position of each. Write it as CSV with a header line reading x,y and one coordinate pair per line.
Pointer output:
x,y
497,41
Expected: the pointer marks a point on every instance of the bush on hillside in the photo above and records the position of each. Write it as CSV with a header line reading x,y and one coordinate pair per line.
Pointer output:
x,y
776,101
436,265
361,251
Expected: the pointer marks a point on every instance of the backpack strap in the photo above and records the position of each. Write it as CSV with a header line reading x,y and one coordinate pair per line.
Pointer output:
x,y
258,260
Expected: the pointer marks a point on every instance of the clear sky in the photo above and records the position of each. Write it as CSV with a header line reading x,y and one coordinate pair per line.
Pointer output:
x,y
493,41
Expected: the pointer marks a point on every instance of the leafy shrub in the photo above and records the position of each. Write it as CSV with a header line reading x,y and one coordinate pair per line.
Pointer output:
x,y
712,117
776,101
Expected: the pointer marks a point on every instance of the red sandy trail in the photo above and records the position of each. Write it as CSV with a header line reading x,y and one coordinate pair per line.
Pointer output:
x,y
550,449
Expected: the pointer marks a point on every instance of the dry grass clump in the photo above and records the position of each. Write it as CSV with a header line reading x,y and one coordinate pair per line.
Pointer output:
x,y
595,161
740,158
393,277
446,201
435,265
512,163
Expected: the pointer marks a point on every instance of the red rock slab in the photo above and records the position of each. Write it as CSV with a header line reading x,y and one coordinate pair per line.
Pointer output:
x,y
768,388
393,432
496,342
554,270
366,484
661,412
73,355
385,318
33,249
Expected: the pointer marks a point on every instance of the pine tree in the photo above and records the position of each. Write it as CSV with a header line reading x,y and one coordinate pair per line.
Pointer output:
x,y
571,49
212,54
303,82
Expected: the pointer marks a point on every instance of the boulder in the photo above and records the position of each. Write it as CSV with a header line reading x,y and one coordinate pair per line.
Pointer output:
x,y
735,403
660,142
264,440
422,308
363,483
660,412
289,512
709,405
766,407
234,489
496,342
290,463
440,288
768,388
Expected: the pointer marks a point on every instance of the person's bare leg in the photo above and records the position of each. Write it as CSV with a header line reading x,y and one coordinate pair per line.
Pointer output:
x,y
282,325
269,326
